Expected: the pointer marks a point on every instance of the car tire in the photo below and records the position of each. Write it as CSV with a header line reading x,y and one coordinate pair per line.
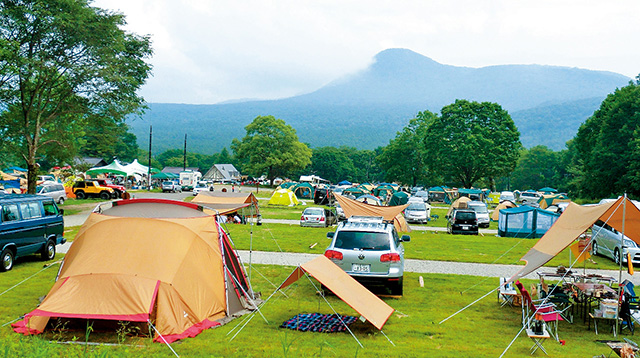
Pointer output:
x,y
396,288
61,200
6,260
49,251
104,195
80,194
616,256
594,248
449,231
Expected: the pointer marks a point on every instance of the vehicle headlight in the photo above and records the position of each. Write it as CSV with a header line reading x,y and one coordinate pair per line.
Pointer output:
x,y
629,243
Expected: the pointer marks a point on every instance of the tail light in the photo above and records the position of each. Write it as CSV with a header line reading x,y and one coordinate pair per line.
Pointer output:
x,y
333,254
302,218
322,218
391,257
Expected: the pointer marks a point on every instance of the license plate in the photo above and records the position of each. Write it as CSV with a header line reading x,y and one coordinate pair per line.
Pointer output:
x,y
465,227
360,268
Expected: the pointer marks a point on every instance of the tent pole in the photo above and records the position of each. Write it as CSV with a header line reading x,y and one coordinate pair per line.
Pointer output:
x,y
620,256
163,340
251,242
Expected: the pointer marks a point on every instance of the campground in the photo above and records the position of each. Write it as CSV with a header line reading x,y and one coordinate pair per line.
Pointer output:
x,y
484,329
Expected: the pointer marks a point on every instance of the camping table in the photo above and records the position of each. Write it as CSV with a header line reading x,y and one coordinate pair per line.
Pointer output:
x,y
617,346
538,340
597,318
588,293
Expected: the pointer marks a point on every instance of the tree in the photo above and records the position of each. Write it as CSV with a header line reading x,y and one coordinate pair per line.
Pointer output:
x,y
108,140
64,64
332,164
270,147
607,146
537,167
472,140
404,158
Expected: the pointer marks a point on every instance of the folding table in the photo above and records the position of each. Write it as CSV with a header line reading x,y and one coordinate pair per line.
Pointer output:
x,y
538,339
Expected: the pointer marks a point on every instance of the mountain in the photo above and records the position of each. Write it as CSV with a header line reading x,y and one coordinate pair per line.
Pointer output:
x,y
367,108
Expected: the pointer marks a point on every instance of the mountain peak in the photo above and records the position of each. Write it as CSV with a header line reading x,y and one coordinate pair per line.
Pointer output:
x,y
402,57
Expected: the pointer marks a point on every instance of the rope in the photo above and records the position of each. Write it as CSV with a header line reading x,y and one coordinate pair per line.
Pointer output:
x,y
28,278
494,261
161,337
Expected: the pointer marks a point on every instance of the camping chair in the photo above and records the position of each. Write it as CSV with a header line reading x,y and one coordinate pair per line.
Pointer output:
x,y
545,312
625,314
634,301
560,298
506,293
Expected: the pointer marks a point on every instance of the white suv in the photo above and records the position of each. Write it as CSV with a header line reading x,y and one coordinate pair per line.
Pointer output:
x,y
369,250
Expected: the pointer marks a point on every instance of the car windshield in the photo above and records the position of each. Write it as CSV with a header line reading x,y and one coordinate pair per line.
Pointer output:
x,y
465,215
416,207
313,211
350,240
201,185
481,209
422,194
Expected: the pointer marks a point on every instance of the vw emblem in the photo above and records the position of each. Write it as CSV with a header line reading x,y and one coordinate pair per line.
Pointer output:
x,y
361,257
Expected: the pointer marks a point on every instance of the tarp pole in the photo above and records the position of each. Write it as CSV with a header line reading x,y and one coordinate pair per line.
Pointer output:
x,y
251,241
620,256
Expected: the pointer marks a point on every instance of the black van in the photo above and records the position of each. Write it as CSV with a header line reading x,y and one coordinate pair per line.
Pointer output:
x,y
29,224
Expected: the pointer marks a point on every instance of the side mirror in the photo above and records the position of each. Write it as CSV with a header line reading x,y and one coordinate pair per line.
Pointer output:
x,y
405,238
61,211
330,235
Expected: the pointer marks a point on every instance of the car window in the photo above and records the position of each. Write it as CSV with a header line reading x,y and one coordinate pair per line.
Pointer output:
x,y
10,212
465,215
362,240
417,206
396,239
313,211
50,209
30,210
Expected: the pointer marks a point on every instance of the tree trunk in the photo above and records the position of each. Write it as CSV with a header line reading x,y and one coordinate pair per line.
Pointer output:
x,y
32,175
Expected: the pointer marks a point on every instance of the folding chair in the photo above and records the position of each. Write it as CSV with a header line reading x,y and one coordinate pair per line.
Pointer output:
x,y
506,293
560,298
546,312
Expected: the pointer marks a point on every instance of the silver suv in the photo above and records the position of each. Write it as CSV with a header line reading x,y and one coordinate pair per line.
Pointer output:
x,y
606,241
369,249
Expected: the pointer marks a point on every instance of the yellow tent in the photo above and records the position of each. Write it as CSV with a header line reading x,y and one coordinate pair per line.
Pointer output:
x,y
147,260
284,197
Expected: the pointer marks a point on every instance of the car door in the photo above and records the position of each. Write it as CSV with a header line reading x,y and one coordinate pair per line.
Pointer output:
x,y
32,229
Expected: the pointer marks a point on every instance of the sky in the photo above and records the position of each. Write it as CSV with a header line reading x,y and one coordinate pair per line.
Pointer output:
x,y
211,51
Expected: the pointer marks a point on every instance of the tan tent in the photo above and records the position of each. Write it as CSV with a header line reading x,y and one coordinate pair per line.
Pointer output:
x,y
460,203
142,260
226,202
346,287
388,213
574,221
495,215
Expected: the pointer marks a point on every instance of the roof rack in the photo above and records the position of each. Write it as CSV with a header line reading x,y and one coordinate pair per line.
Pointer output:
x,y
366,219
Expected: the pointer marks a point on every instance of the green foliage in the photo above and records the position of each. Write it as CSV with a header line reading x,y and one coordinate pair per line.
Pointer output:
x,y
472,140
270,147
404,159
64,65
538,167
332,163
107,139
607,149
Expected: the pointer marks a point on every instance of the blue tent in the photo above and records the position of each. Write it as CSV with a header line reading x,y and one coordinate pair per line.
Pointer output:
x,y
525,221
344,182
18,169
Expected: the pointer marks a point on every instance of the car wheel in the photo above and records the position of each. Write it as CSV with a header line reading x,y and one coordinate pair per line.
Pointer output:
x,y
61,200
396,288
449,229
594,248
105,195
616,256
7,260
49,251
80,194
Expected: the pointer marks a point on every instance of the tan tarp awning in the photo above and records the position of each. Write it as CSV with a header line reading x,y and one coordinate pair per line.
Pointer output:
x,y
388,213
226,202
346,287
503,205
574,221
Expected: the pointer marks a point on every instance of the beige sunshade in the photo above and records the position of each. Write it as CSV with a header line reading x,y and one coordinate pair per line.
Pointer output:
x,y
346,287
353,207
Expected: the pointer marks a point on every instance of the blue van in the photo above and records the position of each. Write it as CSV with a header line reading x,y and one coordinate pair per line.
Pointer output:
x,y
29,224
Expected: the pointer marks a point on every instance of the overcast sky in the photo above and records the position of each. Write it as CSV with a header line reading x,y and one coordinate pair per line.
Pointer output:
x,y
208,51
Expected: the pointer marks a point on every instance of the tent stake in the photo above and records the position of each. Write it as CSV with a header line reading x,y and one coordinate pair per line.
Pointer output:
x,y
161,337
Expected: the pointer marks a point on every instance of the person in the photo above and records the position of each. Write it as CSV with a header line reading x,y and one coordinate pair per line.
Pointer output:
x,y
237,219
365,201
233,188
222,219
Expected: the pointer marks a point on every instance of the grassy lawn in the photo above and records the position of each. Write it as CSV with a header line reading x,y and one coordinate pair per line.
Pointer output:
x,y
483,330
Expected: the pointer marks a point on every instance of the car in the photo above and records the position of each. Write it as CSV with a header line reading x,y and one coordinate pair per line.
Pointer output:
x,y
607,241
369,250
171,186
317,217
29,224
507,195
53,190
88,189
528,197
118,189
482,213
202,186
417,212
424,195
340,212
462,221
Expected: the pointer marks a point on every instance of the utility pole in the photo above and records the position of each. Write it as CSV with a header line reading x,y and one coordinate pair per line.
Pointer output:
x,y
184,154
149,170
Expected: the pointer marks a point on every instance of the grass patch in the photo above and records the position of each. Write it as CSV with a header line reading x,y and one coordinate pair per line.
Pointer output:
x,y
483,330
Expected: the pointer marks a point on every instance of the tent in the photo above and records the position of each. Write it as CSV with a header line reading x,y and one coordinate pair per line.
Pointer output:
x,y
525,221
287,185
399,198
460,203
355,192
303,191
547,200
344,182
621,214
388,213
372,200
137,168
147,260
164,176
440,193
495,215
547,190
473,194
372,308
114,168
283,197
228,202
367,187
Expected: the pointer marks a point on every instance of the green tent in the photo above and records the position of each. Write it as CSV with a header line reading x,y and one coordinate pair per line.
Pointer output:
x,y
356,192
399,198
304,191
164,176
288,185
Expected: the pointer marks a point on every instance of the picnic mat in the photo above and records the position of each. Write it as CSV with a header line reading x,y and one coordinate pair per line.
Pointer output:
x,y
317,322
